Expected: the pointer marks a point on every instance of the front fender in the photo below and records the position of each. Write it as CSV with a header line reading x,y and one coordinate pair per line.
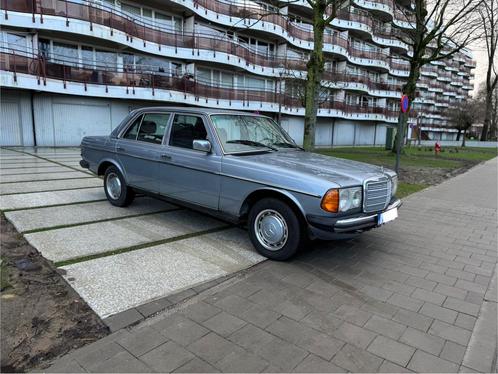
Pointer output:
x,y
270,191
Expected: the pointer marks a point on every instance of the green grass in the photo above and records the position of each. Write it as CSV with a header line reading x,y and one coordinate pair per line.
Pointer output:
x,y
423,157
405,189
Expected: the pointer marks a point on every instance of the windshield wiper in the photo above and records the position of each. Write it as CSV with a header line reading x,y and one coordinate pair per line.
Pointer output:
x,y
287,145
252,143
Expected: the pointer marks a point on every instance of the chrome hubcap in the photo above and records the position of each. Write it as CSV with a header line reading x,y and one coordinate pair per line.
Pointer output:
x,y
113,186
271,229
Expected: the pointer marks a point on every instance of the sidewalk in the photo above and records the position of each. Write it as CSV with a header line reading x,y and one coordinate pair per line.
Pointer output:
x,y
414,295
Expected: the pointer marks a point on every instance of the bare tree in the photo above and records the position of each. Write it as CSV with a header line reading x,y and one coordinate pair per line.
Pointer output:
x,y
324,12
439,30
489,15
463,115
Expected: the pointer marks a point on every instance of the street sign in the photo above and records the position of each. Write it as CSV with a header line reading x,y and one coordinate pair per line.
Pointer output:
x,y
404,103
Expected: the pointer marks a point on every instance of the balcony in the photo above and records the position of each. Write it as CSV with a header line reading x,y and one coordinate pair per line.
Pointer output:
x,y
63,77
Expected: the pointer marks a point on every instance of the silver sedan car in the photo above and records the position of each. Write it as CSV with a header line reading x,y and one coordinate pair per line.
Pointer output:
x,y
243,168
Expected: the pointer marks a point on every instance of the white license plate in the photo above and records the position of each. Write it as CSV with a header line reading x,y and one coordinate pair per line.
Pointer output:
x,y
388,216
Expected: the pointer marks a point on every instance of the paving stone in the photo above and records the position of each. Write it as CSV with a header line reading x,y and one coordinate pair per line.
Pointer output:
x,y
196,365
251,337
441,278
461,274
470,286
462,306
356,360
321,321
453,352
65,365
213,348
389,367
123,362
474,298
385,327
123,319
180,329
153,307
432,297
167,357
421,283
391,350
233,304
376,292
141,340
259,316
242,362
315,364
313,341
465,321
352,314
405,302
178,297
451,291
224,324
421,340
282,354
200,311
450,332
380,308
425,362
400,288
97,352
437,312
355,335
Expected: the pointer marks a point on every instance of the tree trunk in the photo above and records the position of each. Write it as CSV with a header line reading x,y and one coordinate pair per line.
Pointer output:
x,y
488,114
464,136
315,68
459,133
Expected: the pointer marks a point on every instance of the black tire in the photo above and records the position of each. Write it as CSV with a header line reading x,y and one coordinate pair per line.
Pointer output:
x,y
296,233
125,195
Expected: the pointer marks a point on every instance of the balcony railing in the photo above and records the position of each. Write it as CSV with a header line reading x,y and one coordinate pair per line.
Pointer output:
x,y
141,77
149,32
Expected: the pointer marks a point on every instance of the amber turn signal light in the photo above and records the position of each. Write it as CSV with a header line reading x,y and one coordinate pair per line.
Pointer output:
x,y
330,201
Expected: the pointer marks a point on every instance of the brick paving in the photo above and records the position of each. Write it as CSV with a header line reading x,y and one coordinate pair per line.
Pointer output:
x,y
417,295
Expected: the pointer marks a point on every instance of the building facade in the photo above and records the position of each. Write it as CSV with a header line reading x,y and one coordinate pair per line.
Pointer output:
x,y
76,68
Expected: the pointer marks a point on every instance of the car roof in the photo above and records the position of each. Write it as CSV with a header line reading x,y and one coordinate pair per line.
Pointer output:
x,y
197,110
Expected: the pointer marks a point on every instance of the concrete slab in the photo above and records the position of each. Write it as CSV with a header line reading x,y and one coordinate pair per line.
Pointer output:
x,y
41,177
25,187
25,164
42,218
35,170
39,199
73,242
115,283
22,161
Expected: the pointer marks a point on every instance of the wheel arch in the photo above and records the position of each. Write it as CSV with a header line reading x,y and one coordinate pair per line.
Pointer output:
x,y
262,193
105,163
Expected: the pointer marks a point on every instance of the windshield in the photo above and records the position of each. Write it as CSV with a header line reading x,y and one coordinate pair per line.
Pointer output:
x,y
242,133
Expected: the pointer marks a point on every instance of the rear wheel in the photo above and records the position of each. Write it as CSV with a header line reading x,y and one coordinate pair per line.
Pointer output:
x,y
275,229
116,190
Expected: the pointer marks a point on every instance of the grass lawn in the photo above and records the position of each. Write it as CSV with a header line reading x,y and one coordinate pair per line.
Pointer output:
x,y
420,159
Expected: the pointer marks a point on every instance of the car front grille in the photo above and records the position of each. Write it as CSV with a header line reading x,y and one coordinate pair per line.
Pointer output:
x,y
377,194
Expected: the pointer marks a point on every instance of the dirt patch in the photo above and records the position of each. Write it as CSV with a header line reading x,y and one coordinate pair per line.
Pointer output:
x,y
431,176
42,317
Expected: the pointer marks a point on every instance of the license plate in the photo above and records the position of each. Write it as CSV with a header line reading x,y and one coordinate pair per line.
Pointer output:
x,y
388,216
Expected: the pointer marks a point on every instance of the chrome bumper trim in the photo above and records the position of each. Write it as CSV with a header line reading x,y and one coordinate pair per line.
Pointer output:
x,y
360,220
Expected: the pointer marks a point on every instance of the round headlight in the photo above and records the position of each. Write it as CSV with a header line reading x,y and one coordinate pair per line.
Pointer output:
x,y
356,199
344,200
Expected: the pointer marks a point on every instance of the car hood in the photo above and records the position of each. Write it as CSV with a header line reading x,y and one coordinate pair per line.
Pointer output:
x,y
340,171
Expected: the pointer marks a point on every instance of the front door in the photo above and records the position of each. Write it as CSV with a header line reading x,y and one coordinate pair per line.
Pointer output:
x,y
139,150
186,174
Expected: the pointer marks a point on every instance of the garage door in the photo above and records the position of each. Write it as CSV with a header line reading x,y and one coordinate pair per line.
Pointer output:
x,y
74,121
10,123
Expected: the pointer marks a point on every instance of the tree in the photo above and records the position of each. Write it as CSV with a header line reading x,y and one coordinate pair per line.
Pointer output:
x,y
489,15
439,29
324,12
463,115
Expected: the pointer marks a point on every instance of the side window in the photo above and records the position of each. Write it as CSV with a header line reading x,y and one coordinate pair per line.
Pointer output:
x,y
153,127
185,130
132,131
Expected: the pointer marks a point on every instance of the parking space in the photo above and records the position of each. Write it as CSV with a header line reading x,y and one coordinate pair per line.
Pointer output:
x,y
115,258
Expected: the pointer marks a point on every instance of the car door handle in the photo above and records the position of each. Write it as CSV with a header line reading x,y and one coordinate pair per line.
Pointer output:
x,y
120,149
164,156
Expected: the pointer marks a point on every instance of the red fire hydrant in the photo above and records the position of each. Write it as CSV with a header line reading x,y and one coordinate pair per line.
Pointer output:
x,y
437,148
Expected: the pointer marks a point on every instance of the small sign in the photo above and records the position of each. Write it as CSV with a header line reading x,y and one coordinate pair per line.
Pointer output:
x,y
405,101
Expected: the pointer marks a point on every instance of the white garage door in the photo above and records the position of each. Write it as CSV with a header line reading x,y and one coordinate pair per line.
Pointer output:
x,y
74,121
10,123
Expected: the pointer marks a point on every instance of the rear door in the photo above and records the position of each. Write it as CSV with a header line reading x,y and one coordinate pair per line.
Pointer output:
x,y
139,150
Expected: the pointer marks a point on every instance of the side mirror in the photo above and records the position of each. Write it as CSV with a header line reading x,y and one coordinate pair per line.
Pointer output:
x,y
201,145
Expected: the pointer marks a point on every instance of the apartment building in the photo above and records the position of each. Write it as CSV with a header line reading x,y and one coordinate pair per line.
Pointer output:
x,y
71,68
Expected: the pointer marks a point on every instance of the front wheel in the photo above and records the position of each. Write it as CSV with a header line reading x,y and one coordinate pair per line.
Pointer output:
x,y
116,190
275,230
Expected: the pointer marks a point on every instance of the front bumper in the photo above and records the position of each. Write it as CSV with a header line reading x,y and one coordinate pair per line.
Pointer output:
x,y
328,228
